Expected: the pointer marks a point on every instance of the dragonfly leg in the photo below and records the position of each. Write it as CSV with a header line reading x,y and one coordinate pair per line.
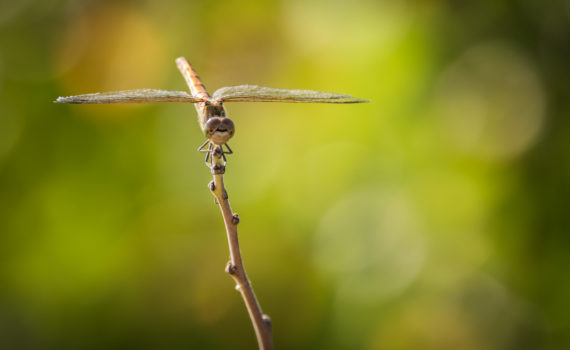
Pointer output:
x,y
201,148
209,148
208,151
209,158
229,149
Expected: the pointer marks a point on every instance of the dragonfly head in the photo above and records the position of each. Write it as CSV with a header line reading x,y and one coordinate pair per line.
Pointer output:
x,y
219,130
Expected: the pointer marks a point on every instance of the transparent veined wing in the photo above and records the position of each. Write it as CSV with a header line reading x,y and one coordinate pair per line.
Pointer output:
x,y
254,93
131,96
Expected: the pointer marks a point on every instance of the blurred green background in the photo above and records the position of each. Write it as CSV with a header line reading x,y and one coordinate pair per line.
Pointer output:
x,y
435,217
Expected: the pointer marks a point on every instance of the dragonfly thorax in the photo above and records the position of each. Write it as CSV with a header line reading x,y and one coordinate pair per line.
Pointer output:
x,y
213,108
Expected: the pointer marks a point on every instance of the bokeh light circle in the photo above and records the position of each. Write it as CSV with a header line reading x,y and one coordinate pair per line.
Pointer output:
x,y
370,243
490,102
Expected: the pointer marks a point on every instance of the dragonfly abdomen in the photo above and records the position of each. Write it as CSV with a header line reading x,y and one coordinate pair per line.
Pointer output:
x,y
196,86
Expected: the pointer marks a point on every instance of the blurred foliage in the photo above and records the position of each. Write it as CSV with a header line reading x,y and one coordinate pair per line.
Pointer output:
x,y
435,217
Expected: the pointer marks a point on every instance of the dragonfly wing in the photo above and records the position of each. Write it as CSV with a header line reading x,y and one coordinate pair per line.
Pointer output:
x,y
254,93
130,96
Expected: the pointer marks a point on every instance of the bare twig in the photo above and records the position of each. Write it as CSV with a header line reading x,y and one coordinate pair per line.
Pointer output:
x,y
235,268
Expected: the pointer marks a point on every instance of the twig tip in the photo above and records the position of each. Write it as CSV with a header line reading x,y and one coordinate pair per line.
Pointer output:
x,y
218,169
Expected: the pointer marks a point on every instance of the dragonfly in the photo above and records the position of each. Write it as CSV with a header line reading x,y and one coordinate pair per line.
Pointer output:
x,y
216,126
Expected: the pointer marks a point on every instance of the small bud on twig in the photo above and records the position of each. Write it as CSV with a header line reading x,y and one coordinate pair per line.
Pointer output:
x,y
267,321
231,268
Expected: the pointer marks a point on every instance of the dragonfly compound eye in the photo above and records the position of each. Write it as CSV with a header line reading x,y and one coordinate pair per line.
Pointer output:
x,y
219,129
211,126
228,125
